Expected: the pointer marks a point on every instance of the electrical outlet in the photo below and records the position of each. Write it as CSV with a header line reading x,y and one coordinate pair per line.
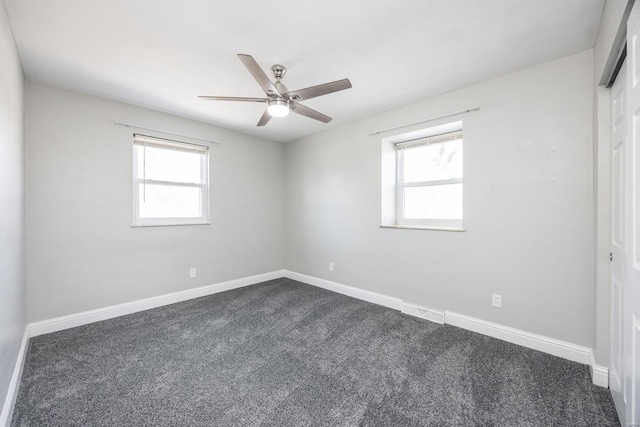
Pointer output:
x,y
496,300
331,266
192,272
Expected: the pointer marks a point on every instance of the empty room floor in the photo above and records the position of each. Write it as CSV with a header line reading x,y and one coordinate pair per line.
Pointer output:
x,y
283,353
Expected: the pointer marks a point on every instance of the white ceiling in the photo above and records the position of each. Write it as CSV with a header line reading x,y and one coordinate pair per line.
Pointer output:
x,y
162,54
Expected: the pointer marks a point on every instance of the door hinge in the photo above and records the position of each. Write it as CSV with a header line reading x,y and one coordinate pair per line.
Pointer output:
x,y
610,256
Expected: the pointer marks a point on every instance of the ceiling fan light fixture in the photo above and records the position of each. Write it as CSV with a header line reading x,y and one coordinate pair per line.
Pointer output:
x,y
278,108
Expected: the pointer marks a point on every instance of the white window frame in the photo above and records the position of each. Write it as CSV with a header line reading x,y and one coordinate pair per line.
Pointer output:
x,y
453,224
149,141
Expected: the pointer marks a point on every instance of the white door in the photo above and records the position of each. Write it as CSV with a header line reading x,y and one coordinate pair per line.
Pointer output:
x,y
626,243
632,322
618,238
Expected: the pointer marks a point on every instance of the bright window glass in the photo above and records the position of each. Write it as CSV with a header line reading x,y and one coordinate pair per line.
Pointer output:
x,y
171,182
167,201
429,181
433,202
161,164
432,162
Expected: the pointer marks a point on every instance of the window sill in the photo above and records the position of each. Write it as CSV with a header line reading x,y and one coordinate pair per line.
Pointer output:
x,y
168,225
417,227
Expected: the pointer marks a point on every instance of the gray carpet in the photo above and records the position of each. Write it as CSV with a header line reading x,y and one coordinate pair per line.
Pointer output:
x,y
283,353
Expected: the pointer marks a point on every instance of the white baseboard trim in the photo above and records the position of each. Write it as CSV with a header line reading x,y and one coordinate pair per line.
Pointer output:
x,y
551,346
563,349
14,383
86,317
573,352
599,373
361,294
541,343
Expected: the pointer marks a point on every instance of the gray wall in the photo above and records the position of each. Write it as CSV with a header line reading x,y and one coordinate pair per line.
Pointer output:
x,y
83,253
12,258
528,206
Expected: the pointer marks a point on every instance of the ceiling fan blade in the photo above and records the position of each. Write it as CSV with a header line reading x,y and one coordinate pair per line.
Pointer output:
x,y
232,98
319,90
308,112
265,118
258,74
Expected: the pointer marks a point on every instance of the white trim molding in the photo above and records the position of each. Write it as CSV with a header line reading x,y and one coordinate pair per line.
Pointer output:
x,y
569,351
361,294
86,317
14,383
548,345
555,347
541,343
599,373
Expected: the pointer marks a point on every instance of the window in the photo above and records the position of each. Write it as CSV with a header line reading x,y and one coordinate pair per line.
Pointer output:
x,y
429,180
170,182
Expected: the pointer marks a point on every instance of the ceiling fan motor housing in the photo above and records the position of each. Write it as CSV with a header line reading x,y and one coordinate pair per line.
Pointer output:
x,y
279,71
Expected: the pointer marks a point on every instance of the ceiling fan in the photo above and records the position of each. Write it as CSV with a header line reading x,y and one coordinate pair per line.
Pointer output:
x,y
281,100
